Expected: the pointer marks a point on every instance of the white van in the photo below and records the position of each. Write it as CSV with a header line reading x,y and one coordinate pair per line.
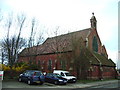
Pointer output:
x,y
66,75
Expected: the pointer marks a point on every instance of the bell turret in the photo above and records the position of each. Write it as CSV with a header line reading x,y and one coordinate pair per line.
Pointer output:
x,y
93,21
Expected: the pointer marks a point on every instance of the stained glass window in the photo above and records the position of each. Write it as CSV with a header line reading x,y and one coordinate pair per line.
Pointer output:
x,y
95,44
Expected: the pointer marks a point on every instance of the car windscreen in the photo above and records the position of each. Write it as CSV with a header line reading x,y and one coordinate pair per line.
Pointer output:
x,y
68,74
37,73
57,75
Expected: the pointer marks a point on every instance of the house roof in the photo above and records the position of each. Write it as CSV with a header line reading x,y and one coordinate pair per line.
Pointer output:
x,y
56,44
96,59
104,60
63,43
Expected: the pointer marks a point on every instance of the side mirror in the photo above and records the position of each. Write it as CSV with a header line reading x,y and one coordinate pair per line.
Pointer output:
x,y
21,74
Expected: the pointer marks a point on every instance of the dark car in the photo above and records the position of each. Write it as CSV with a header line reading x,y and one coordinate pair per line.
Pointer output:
x,y
55,79
32,76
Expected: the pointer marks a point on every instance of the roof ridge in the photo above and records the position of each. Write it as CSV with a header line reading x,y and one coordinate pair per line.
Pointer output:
x,y
69,33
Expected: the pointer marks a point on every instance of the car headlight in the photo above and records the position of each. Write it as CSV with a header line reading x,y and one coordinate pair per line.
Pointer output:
x,y
20,75
60,80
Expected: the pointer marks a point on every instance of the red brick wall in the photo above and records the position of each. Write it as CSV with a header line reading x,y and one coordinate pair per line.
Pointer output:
x,y
43,61
90,40
104,51
95,72
107,72
45,58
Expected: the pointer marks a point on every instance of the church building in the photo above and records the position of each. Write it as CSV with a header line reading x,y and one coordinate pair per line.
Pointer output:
x,y
81,52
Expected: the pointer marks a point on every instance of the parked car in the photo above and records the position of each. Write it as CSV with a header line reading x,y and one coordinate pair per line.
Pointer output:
x,y
55,79
66,75
32,76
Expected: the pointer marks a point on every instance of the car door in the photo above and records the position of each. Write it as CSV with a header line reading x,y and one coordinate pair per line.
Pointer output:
x,y
26,76
23,77
47,78
52,78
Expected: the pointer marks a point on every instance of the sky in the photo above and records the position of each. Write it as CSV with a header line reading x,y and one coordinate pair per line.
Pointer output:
x,y
72,15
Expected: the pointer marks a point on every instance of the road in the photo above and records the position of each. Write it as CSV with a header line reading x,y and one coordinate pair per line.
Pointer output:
x,y
70,86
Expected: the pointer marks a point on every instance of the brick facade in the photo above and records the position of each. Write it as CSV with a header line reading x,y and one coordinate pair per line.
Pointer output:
x,y
48,59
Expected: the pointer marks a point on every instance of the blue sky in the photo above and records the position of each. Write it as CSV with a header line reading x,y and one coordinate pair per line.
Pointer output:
x,y
72,15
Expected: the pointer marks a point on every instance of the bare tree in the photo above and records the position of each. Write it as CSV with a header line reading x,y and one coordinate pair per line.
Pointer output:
x,y
33,42
6,42
31,38
12,44
11,55
56,47
21,20
75,54
80,57
35,30
59,47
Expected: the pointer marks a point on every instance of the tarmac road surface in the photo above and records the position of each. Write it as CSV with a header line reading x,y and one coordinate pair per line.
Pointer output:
x,y
70,86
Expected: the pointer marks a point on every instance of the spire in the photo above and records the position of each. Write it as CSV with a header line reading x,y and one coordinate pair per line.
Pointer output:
x,y
93,21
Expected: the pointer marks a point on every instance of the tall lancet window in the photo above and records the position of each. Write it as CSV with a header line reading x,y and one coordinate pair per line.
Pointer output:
x,y
95,44
49,64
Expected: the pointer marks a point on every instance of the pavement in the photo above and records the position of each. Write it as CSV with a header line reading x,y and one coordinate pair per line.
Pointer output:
x,y
92,84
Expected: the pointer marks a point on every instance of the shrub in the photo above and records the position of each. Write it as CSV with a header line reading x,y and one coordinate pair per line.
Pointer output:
x,y
4,67
14,70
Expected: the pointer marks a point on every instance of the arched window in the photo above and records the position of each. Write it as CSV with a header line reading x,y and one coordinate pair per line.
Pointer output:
x,y
95,44
50,65
39,63
63,64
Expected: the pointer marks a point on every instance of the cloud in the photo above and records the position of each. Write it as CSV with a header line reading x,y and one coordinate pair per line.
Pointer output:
x,y
113,55
72,15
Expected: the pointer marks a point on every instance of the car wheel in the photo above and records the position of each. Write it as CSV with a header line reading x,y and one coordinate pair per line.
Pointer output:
x,y
20,80
29,82
65,83
56,82
41,83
